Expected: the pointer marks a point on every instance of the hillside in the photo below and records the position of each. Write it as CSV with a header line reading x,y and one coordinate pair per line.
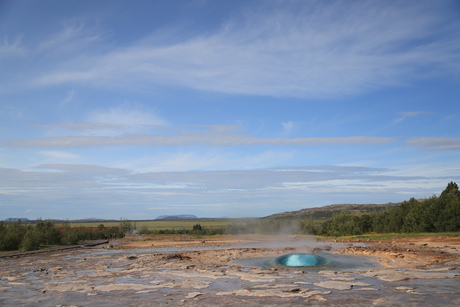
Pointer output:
x,y
326,212
177,217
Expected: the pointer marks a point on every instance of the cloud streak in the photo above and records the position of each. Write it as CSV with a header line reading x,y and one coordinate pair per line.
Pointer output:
x,y
256,192
194,139
287,52
59,154
435,143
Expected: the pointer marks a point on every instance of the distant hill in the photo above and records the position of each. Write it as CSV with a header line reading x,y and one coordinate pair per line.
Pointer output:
x,y
176,217
15,219
326,212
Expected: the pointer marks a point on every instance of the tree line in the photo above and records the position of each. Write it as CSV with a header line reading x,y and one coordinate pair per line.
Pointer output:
x,y
435,214
26,237
197,230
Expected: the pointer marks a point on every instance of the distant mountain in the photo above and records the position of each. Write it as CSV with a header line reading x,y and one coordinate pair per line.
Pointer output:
x,y
15,219
326,212
176,217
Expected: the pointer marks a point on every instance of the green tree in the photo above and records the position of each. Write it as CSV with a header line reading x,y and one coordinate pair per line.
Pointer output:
x,y
11,235
126,225
30,241
452,187
449,203
47,233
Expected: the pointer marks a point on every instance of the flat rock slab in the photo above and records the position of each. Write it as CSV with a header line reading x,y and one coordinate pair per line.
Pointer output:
x,y
394,276
340,285
275,293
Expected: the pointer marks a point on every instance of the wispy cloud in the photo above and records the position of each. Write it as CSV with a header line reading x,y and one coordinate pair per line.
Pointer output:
x,y
69,97
288,127
111,122
435,143
288,52
126,115
59,154
14,49
194,139
74,37
207,160
411,113
13,112
106,189
403,115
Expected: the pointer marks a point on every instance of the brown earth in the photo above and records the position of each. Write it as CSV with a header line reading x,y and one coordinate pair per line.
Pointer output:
x,y
182,270
414,252
134,241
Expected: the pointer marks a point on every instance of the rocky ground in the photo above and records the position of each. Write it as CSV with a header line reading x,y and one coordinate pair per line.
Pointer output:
x,y
188,271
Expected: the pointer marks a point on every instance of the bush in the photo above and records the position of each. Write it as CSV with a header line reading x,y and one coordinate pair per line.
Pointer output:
x,y
30,241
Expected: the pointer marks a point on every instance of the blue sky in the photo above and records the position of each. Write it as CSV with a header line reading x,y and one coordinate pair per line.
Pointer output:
x,y
224,108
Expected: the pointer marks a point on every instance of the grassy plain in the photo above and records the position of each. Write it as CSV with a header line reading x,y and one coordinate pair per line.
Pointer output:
x,y
387,236
166,224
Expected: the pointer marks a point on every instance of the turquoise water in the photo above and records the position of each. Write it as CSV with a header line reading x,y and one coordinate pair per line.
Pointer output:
x,y
301,259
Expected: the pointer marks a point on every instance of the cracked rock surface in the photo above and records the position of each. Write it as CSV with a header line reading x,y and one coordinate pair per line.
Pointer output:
x,y
204,274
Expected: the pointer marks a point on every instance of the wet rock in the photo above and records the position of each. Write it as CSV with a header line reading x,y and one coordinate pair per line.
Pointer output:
x,y
393,276
315,250
326,272
273,292
177,256
193,294
405,289
339,285
341,278
292,290
131,257
124,286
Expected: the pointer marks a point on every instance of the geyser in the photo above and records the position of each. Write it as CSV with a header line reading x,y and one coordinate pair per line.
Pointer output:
x,y
301,259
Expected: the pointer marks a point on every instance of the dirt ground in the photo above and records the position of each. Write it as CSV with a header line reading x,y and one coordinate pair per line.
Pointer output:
x,y
415,251
184,270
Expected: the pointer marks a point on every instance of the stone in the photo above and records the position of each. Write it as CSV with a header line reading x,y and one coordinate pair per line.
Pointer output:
x,y
339,285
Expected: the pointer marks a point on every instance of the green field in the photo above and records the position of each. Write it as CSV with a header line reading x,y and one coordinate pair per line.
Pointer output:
x,y
387,236
167,224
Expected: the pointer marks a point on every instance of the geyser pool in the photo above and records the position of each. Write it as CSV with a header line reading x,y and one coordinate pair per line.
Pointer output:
x,y
301,259
311,262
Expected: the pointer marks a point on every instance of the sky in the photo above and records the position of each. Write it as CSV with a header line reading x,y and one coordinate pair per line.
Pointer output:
x,y
136,109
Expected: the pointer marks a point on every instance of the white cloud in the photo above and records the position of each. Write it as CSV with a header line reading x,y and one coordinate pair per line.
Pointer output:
x,y
206,160
14,49
124,115
435,143
59,154
13,112
69,97
288,127
406,114
73,38
110,122
107,192
411,113
194,139
281,52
